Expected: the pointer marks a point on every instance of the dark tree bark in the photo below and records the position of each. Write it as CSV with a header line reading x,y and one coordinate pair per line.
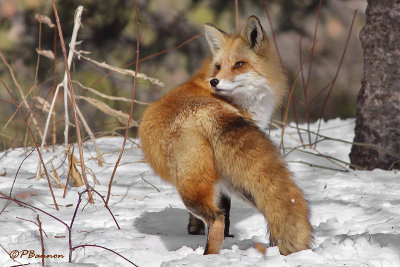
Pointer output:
x,y
378,105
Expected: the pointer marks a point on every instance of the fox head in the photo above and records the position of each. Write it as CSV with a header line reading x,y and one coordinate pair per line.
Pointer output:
x,y
245,68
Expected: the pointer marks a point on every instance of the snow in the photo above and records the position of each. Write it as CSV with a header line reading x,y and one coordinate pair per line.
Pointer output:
x,y
355,214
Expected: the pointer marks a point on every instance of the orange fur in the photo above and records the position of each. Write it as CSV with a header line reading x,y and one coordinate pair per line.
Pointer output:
x,y
198,141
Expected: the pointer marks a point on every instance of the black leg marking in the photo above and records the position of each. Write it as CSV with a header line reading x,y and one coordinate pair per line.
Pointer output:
x,y
225,206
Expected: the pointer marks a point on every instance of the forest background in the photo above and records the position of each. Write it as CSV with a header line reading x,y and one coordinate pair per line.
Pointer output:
x,y
174,28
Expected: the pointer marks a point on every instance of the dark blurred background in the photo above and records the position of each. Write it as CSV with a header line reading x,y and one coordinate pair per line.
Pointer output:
x,y
109,33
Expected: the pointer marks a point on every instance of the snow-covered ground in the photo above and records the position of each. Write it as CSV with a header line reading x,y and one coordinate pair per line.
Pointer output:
x,y
355,214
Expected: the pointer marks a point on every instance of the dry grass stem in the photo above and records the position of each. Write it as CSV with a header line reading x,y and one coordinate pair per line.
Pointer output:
x,y
73,170
46,53
55,176
77,24
44,19
100,159
121,116
71,91
120,70
46,127
117,98
41,103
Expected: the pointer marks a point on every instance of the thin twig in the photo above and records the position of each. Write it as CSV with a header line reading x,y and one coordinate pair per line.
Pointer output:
x,y
71,91
167,50
366,145
38,56
19,167
131,108
290,99
22,203
237,15
82,246
151,56
337,71
155,187
21,92
72,222
105,204
315,97
68,175
295,118
273,33
282,66
319,154
46,127
16,111
36,145
41,237
68,227
35,223
20,264
54,86
305,89
316,166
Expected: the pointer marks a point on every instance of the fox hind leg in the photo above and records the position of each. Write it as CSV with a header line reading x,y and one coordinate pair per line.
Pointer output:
x,y
197,227
196,181
201,203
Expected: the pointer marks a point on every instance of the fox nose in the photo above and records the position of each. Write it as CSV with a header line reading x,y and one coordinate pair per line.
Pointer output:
x,y
214,82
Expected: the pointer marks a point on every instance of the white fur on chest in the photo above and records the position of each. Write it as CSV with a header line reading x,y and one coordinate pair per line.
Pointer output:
x,y
252,92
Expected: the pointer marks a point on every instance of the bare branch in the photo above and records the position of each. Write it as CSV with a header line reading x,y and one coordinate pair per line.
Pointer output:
x,y
132,102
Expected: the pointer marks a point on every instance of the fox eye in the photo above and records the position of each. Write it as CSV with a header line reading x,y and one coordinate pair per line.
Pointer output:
x,y
238,64
218,67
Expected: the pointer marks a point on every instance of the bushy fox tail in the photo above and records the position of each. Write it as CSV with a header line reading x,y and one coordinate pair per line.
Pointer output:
x,y
251,167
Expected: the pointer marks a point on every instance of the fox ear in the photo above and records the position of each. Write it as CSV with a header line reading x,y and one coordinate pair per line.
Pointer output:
x,y
215,37
253,32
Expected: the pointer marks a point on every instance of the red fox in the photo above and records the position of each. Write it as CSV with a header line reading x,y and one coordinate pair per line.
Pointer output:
x,y
203,137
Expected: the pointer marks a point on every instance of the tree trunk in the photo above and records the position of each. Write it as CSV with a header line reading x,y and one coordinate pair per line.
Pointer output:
x,y
378,105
